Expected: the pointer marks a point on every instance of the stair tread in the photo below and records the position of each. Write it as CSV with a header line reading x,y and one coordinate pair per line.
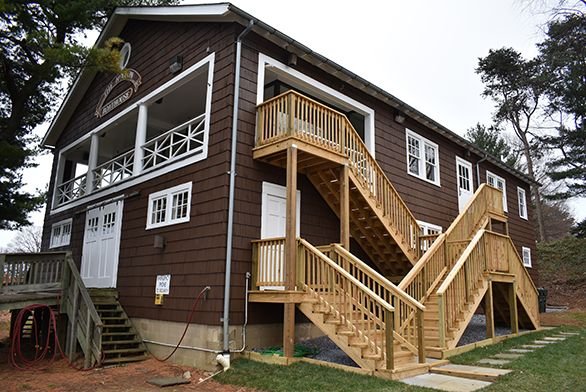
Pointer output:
x,y
124,350
114,342
109,361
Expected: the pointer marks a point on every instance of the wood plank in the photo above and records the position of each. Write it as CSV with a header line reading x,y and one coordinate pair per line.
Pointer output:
x,y
284,296
344,207
489,311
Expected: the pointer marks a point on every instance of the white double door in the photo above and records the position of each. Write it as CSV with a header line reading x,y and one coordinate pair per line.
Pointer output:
x,y
465,184
273,223
101,245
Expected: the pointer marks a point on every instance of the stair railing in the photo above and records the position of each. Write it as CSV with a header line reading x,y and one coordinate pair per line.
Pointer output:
x,y
408,322
30,272
294,115
502,247
440,258
356,306
458,286
84,323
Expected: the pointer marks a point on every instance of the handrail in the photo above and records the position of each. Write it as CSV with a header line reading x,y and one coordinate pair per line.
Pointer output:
x,y
408,328
292,114
114,170
354,305
448,247
180,126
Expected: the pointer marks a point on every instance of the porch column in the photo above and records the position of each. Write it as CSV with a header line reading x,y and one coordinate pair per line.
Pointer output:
x,y
489,312
344,208
92,163
290,250
140,139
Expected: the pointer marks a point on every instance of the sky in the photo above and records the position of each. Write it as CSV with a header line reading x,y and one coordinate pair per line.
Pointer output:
x,y
423,52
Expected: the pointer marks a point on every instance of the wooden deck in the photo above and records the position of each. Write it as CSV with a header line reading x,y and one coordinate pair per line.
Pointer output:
x,y
18,300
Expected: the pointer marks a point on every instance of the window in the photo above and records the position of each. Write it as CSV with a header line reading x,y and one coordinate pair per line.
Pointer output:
x,y
499,183
422,158
522,202
526,257
60,233
428,228
169,206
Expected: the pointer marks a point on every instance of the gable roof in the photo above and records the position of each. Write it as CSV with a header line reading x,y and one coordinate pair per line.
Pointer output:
x,y
227,12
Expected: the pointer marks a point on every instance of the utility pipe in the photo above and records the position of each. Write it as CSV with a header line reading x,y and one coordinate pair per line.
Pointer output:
x,y
229,232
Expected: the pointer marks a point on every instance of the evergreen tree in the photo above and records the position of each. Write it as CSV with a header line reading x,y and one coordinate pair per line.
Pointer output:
x,y
39,49
490,139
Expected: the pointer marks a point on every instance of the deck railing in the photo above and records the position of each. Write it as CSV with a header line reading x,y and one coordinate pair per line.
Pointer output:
x,y
294,115
56,272
183,139
269,262
408,315
71,189
115,170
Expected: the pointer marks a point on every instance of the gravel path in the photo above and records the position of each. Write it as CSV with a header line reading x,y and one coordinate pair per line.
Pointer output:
x,y
328,351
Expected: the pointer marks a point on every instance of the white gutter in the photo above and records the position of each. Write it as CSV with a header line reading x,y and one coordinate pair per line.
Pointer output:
x,y
229,232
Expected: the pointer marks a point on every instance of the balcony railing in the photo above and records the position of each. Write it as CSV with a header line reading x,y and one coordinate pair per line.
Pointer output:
x,y
72,189
115,170
186,138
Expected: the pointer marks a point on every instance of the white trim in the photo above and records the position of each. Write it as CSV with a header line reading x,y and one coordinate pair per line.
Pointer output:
x,y
63,240
319,90
185,10
157,170
525,251
280,190
522,195
429,226
168,194
504,190
422,141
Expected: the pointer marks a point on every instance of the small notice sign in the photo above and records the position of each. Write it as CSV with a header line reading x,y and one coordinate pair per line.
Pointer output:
x,y
163,284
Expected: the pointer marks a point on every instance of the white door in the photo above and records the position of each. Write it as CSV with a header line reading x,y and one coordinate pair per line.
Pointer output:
x,y
101,245
273,223
465,185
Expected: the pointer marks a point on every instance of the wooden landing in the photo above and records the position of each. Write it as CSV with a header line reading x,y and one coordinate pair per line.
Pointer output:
x,y
18,300
279,296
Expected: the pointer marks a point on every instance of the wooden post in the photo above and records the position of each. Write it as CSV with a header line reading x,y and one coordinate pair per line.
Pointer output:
x,y
290,250
291,118
389,345
344,208
513,308
420,338
489,312
254,274
442,320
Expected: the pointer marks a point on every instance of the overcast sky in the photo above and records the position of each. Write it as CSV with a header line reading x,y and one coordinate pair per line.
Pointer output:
x,y
423,52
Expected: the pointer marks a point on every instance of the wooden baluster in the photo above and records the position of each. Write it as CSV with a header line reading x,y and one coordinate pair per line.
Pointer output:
x,y
389,345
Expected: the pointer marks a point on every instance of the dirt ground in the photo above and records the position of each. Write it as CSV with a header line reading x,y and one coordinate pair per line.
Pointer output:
x,y
59,377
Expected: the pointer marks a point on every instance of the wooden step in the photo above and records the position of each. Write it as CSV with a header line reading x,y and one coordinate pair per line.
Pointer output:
x,y
124,351
113,361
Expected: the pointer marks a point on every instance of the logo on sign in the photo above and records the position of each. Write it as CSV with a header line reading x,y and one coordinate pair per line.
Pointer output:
x,y
128,75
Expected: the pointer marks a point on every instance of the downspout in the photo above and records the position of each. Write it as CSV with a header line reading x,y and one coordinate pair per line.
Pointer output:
x,y
478,170
229,232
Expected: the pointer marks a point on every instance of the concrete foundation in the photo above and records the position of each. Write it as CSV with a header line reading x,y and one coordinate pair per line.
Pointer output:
x,y
210,338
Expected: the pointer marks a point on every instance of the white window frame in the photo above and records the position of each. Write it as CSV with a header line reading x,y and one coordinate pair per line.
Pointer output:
x,y
495,179
427,227
526,254
63,240
151,173
168,195
423,143
522,202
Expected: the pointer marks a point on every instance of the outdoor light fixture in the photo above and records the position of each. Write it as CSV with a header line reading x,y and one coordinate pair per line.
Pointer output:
x,y
176,64
292,60
400,118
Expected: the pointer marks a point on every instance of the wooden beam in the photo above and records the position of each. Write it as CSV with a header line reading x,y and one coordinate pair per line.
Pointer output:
x,y
489,312
290,250
344,208
513,308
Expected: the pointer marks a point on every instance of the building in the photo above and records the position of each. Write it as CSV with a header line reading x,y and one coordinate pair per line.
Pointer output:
x,y
223,142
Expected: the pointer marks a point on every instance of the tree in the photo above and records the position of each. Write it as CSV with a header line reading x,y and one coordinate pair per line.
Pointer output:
x,y
563,54
579,229
490,139
39,49
559,220
517,87
28,240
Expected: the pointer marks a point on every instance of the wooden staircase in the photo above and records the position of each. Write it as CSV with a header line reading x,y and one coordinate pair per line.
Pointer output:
x,y
443,279
120,341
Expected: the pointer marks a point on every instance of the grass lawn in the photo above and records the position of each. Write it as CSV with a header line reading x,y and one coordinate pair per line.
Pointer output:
x,y
556,367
